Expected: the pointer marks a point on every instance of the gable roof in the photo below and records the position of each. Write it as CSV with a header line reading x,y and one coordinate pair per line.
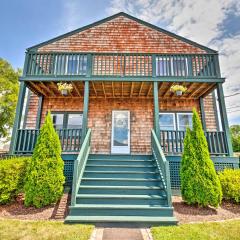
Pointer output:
x,y
127,16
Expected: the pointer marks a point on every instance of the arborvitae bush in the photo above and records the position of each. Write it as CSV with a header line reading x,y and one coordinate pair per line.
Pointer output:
x,y
199,181
12,176
45,179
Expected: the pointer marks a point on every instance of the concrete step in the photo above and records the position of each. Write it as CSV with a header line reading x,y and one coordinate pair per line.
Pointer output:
x,y
163,221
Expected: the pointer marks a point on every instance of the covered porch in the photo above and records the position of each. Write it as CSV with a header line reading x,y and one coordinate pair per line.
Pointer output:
x,y
157,94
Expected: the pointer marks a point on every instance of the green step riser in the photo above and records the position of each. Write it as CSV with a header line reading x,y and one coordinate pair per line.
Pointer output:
x,y
112,201
121,175
121,212
117,168
129,163
123,191
144,183
120,157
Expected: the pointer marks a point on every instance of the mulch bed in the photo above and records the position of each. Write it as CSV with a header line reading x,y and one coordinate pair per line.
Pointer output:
x,y
183,212
186,213
17,210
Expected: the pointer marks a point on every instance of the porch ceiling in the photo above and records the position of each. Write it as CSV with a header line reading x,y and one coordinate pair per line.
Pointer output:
x,y
122,89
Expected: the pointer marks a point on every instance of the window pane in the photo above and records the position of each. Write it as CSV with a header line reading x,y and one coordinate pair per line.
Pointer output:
x,y
184,120
72,65
163,66
74,120
166,121
57,120
180,67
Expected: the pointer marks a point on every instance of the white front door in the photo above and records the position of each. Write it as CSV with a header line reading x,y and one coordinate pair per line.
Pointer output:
x,y
120,132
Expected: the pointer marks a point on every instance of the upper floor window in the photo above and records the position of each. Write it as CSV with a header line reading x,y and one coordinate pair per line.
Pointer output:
x,y
170,66
75,64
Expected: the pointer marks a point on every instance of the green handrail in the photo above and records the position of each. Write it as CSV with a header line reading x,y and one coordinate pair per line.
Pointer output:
x,y
79,166
163,166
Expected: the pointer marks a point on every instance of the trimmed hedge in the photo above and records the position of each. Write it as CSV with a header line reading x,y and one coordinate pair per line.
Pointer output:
x,y
12,176
230,181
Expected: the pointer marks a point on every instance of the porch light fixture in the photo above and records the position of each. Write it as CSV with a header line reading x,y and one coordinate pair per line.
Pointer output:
x,y
64,88
178,89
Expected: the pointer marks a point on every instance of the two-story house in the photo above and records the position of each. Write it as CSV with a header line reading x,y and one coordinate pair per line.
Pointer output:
x,y
122,127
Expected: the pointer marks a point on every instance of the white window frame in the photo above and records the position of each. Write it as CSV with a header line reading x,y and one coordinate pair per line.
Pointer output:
x,y
174,120
182,113
120,149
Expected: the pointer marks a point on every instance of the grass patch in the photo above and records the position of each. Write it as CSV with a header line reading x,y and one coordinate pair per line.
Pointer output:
x,y
42,230
201,231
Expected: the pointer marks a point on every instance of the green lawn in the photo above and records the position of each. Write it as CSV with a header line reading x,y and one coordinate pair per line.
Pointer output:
x,y
43,230
201,231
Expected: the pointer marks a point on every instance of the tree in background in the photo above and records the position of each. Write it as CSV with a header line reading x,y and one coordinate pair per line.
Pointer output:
x,y
235,133
199,181
8,96
45,178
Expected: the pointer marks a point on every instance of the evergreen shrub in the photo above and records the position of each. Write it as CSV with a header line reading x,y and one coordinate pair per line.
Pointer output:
x,y
199,181
45,178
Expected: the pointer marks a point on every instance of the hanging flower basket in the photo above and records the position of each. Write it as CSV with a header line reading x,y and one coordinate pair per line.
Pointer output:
x,y
65,88
178,89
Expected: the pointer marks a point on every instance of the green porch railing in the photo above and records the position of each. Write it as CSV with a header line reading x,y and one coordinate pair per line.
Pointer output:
x,y
55,64
162,164
26,139
172,142
79,166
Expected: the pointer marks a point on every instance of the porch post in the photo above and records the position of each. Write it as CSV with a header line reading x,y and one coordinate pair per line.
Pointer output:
x,y
39,112
224,119
18,116
156,109
203,117
215,110
85,110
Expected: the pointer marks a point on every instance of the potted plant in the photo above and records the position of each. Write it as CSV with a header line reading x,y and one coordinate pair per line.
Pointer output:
x,y
65,88
178,89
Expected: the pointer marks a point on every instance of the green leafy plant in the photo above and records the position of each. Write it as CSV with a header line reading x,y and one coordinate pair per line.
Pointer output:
x,y
199,181
45,179
235,133
230,181
8,96
12,175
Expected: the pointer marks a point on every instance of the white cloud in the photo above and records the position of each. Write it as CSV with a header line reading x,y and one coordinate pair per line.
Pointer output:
x,y
200,21
71,18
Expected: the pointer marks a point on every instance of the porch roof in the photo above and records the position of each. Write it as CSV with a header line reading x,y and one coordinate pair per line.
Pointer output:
x,y
123,89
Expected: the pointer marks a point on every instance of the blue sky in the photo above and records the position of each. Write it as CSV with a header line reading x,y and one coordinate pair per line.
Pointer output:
x,y
215,23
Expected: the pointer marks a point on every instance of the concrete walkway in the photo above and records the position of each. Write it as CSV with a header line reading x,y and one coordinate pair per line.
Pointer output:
x,y
113,233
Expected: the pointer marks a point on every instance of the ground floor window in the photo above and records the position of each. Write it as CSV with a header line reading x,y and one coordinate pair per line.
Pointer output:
x,y
68,120
175,121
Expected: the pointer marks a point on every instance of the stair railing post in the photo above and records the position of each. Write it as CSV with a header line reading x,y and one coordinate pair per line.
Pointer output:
x,y
156,109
